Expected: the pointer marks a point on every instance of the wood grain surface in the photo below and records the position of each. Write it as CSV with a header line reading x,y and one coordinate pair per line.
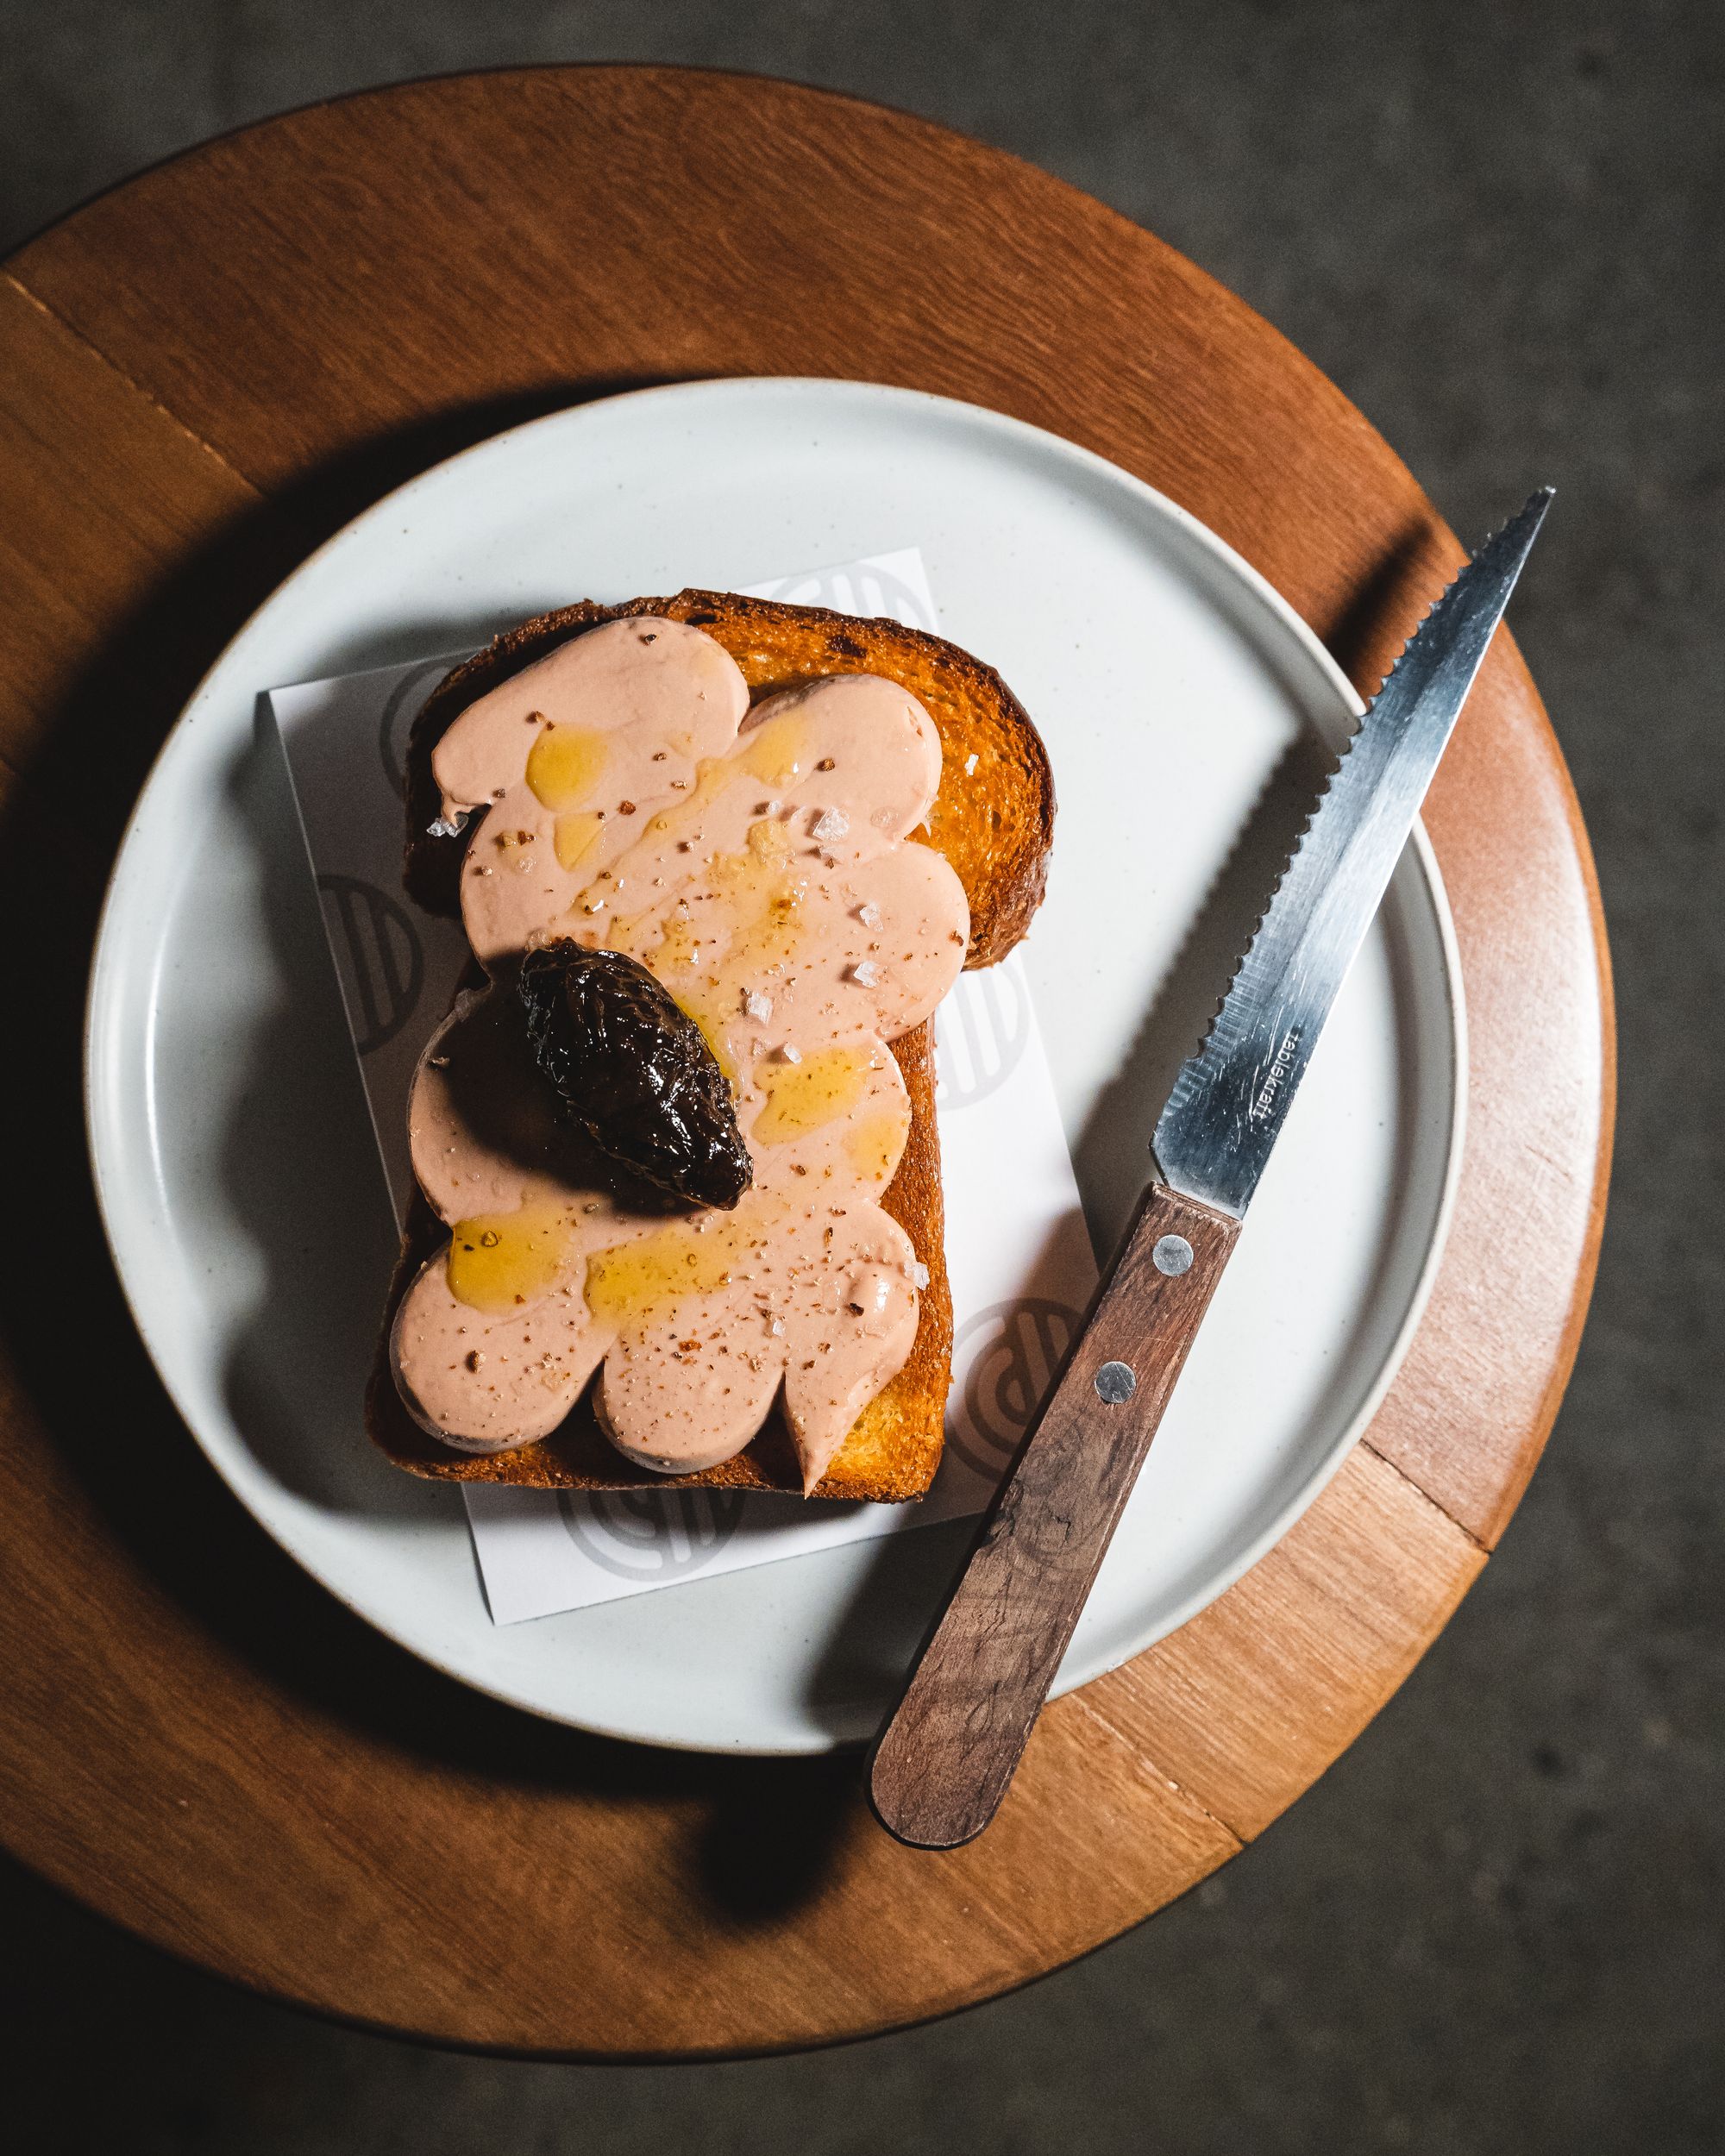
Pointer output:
x,y
208,370
944,1759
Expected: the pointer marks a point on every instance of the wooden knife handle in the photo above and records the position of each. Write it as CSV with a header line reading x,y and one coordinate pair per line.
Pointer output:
x,y
942,1764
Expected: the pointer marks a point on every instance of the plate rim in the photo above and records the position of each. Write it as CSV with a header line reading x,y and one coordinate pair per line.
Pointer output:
x,y
1234,568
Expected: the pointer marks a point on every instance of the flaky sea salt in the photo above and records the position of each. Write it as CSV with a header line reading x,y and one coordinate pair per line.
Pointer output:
x,y
756,1005
868,913
448,826
865,973
919,1273
971,763
790,1053
831,824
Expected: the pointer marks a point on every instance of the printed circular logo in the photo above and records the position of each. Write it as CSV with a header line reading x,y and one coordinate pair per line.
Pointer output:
x,y
868,590
980,1033
378,955
1003,1362
398,715
650,1535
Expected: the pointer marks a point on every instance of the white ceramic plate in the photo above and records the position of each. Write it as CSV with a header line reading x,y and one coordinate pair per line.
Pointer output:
x,y
236,1170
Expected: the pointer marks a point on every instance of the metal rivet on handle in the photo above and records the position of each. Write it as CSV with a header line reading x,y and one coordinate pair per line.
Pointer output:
x,y
1115,1383
1172,1255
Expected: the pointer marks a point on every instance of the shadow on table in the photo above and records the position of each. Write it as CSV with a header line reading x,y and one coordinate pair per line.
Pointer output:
x,y
767,1826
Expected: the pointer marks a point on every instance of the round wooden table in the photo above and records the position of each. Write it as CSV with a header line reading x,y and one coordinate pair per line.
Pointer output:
x,y
204,372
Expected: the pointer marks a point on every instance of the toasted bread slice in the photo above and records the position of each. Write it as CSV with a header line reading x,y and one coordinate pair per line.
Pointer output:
x,y
993,821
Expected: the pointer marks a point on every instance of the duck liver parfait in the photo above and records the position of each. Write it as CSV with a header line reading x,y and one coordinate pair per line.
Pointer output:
x,y
759,864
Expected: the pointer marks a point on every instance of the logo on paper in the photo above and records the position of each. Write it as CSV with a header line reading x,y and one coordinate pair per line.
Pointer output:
x,y
1003,1362
398,715
864,588
377,954
980,1032
651,1535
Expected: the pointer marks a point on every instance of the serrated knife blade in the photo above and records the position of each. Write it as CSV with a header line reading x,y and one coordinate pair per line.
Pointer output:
x,y
1230,1100
948,1751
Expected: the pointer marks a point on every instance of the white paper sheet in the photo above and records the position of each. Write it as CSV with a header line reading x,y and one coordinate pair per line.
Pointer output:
x,y
1017,1250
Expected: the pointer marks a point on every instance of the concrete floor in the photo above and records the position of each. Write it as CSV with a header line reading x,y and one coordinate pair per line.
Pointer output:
x,y
1495,1927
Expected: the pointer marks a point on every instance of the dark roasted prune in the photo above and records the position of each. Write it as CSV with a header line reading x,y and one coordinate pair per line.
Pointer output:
x,y
633,1070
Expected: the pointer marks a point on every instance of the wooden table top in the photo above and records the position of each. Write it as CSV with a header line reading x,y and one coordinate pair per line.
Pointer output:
x,y
207,371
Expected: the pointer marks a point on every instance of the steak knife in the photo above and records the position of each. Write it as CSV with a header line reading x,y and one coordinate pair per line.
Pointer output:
x,y
944,1757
